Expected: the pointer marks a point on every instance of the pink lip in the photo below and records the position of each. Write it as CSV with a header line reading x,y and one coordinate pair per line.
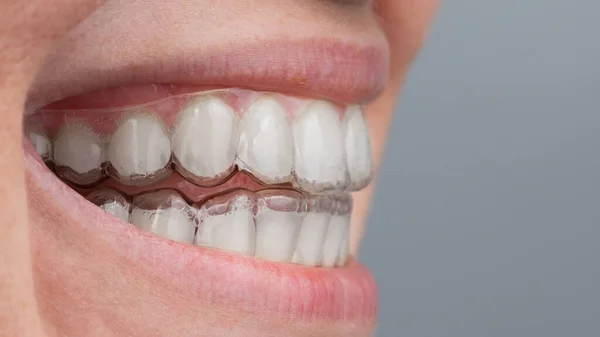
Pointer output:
x,y
339,71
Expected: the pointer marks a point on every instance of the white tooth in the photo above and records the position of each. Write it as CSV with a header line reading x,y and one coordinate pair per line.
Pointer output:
x,y
117,209
206,229
170,223
41,144
140,146
206,138
311,238
266,142
337,230
319,161
233,230
111,201
344,249
79,149
358,149
276,231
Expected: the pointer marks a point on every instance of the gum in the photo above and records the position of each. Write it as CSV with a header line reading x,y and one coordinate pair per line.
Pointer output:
x,y
105,121
190,191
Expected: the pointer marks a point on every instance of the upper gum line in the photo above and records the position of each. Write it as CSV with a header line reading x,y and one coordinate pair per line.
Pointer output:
x,y
103,120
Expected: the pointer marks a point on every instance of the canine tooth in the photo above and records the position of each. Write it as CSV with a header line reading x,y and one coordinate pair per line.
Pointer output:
x,y
277,227
166,214
228,226
81,151
112,202
319,162
266,142
206,139
309,248
41,144
358,149
140,147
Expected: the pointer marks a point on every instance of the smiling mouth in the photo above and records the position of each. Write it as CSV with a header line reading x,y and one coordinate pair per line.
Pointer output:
x,y
230,189
260,174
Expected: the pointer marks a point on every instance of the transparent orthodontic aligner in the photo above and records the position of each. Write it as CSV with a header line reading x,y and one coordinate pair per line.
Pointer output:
x,y
111,201
40,141
157,116
282,226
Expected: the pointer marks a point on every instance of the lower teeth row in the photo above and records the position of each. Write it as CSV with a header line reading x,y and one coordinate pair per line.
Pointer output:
x,y
275,225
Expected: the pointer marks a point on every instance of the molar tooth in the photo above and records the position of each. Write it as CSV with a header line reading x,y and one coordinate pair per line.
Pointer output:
x,y
358,148
41,144
165,214
205,141
278,218
112,202
335,238
140,150
319,159
309,248
79,154
266,142
227,222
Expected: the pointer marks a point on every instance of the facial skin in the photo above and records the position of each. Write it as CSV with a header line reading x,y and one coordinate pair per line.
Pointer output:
x,y
61,279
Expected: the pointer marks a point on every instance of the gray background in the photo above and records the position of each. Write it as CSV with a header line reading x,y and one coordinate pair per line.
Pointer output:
x,y
486,218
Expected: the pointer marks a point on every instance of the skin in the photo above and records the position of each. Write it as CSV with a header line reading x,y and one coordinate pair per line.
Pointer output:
x,y
38,41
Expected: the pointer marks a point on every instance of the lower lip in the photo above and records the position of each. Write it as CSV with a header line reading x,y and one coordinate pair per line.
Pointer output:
x,y
255,286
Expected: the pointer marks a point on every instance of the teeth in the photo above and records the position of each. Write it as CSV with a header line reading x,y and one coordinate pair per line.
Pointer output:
x,y
309,249
279,140
274,225
139,150
318,150
169,223
206,139
166,214
79,154
227,223
112,202
358,149
335,238
41,144
320,163
266,143
345,248
116,209
278,219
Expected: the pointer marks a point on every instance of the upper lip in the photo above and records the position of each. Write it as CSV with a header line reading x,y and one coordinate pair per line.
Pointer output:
x,y
340,71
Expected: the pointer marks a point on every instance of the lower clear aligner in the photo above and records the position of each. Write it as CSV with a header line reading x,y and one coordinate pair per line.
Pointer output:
x,y
275,225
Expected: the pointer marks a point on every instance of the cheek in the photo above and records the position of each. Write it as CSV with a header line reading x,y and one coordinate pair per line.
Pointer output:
x,y
406,23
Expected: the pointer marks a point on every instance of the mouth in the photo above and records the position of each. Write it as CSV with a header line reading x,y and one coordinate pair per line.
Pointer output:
x,y
205,186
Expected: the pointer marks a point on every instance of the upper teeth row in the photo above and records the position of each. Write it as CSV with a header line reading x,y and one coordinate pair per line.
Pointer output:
x,y
315,148
281,226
